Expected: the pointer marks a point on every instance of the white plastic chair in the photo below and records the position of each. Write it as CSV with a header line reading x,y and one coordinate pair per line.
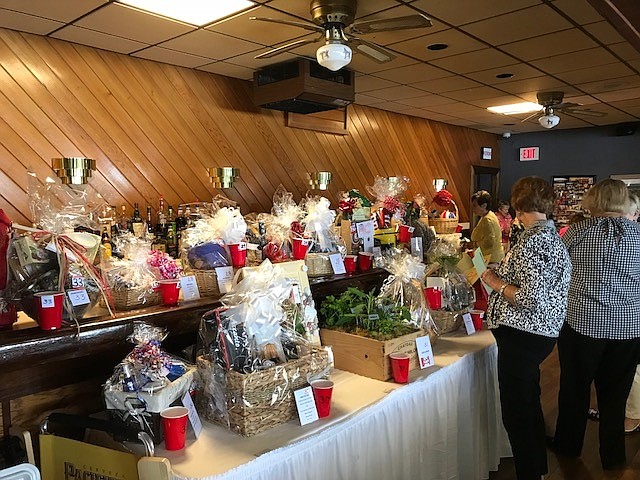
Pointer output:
x,y
26,471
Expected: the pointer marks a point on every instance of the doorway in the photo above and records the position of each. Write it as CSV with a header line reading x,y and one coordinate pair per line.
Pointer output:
x,y
483,178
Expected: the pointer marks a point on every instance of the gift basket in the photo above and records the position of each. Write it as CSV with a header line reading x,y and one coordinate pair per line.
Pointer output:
x,y
353,208
253,356
147,381
448,289
318,226
60,254
132,279
8,310
216,240
280,226
388,208
444,218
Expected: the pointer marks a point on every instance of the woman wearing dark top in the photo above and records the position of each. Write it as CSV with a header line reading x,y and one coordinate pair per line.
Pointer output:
x,y
525,313
600,341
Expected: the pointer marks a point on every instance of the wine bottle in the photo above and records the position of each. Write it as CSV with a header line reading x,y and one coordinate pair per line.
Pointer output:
x,y
172,237
149,233
106,245
137,223
124,222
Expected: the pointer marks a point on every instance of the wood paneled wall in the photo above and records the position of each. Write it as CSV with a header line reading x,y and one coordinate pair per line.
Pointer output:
x,y
154,129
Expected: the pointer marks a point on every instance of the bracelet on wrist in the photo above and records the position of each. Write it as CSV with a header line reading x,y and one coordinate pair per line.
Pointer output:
x,y
502,288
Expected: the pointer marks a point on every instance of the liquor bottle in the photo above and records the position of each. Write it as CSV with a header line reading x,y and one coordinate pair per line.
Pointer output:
x,y
106,245
115,252
188,220
137,223
161,215
172,237
149,233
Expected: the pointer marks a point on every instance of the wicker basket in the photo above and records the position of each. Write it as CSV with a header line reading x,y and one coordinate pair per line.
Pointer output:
x,y
318,264
445,225
258,401
207,281
447,322
133,298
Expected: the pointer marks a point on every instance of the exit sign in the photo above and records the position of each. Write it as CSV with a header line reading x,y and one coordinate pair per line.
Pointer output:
x,y
529,153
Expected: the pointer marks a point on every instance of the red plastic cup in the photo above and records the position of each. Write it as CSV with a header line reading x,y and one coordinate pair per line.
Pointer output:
x,y
174,422
50,306
404,233
322,390
400,367
364,261
434,297
350,263
169,289
238,254
477,316
8,316
300,247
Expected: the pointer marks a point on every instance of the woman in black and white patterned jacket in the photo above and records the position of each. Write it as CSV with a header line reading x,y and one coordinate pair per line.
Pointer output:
x,y
525,312
600,341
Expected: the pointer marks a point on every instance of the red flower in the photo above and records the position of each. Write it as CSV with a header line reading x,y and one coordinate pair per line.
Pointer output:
x,y
443,199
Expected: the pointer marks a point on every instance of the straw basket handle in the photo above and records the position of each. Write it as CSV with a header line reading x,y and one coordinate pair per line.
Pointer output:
x,y
452,203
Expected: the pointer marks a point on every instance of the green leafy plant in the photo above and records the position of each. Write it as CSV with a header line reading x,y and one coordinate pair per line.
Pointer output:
x,y
360,313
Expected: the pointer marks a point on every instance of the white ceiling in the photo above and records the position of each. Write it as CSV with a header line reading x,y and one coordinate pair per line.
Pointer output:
x,y
546,44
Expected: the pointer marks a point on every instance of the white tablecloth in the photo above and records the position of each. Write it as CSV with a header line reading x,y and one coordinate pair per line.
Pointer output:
x,y
445,424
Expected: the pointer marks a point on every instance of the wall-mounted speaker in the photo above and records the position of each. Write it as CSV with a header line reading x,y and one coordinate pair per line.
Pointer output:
x,y
624,129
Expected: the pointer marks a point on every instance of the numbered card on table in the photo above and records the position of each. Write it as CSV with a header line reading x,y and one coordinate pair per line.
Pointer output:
x,y
306,405
425,352
225,279
78,297
337,263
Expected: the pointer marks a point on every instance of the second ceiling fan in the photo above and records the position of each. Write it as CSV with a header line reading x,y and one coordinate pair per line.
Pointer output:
x,y
334,20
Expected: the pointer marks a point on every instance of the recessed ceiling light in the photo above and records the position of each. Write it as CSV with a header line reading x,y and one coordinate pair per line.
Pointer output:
x,y
195,12
437,46
514,108
509,124
504,75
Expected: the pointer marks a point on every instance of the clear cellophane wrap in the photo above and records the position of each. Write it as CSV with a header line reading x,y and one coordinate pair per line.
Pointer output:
x,y
284,213
405,286
388,193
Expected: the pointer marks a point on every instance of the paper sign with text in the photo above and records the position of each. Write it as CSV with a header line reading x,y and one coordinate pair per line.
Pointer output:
x,y
425,352
337,263
306,405
189,287
481,267
194,419
365,231
468,323
225,278
47,301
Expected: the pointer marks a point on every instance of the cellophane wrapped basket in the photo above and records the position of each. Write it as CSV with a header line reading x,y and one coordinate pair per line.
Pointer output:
x,y
446,322
257,401
133,298
445,225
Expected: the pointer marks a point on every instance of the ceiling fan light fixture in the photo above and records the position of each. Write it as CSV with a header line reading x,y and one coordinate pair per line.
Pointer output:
x,y
549,121
334,56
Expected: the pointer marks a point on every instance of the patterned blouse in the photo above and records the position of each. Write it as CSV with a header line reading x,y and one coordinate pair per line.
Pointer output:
x,y
604,295
539,265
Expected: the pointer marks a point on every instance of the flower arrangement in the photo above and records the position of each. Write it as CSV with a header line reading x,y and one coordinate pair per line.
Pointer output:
x,y
165,264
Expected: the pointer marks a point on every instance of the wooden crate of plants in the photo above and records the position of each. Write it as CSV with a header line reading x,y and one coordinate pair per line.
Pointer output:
x,y
364,330
367,356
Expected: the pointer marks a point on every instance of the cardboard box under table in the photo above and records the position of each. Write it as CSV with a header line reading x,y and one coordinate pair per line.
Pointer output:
x,y
369,357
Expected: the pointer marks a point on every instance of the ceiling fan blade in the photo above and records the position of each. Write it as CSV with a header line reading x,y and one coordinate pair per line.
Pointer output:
x,y
307,26
388,24
583,112
285,48
532,115
372,50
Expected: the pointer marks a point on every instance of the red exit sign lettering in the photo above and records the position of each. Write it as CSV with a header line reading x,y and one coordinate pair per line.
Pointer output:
x,y
529,153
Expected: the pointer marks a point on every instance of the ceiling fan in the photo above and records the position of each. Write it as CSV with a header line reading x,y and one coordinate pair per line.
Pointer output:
x,y
334,20
553,102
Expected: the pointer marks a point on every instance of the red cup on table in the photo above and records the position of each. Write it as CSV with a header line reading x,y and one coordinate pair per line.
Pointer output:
x,y
174,422
238,253
404,233
350,263
434,297
400,367
477,316
50,306
8,316
365,259
322,391
170,290
299,247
